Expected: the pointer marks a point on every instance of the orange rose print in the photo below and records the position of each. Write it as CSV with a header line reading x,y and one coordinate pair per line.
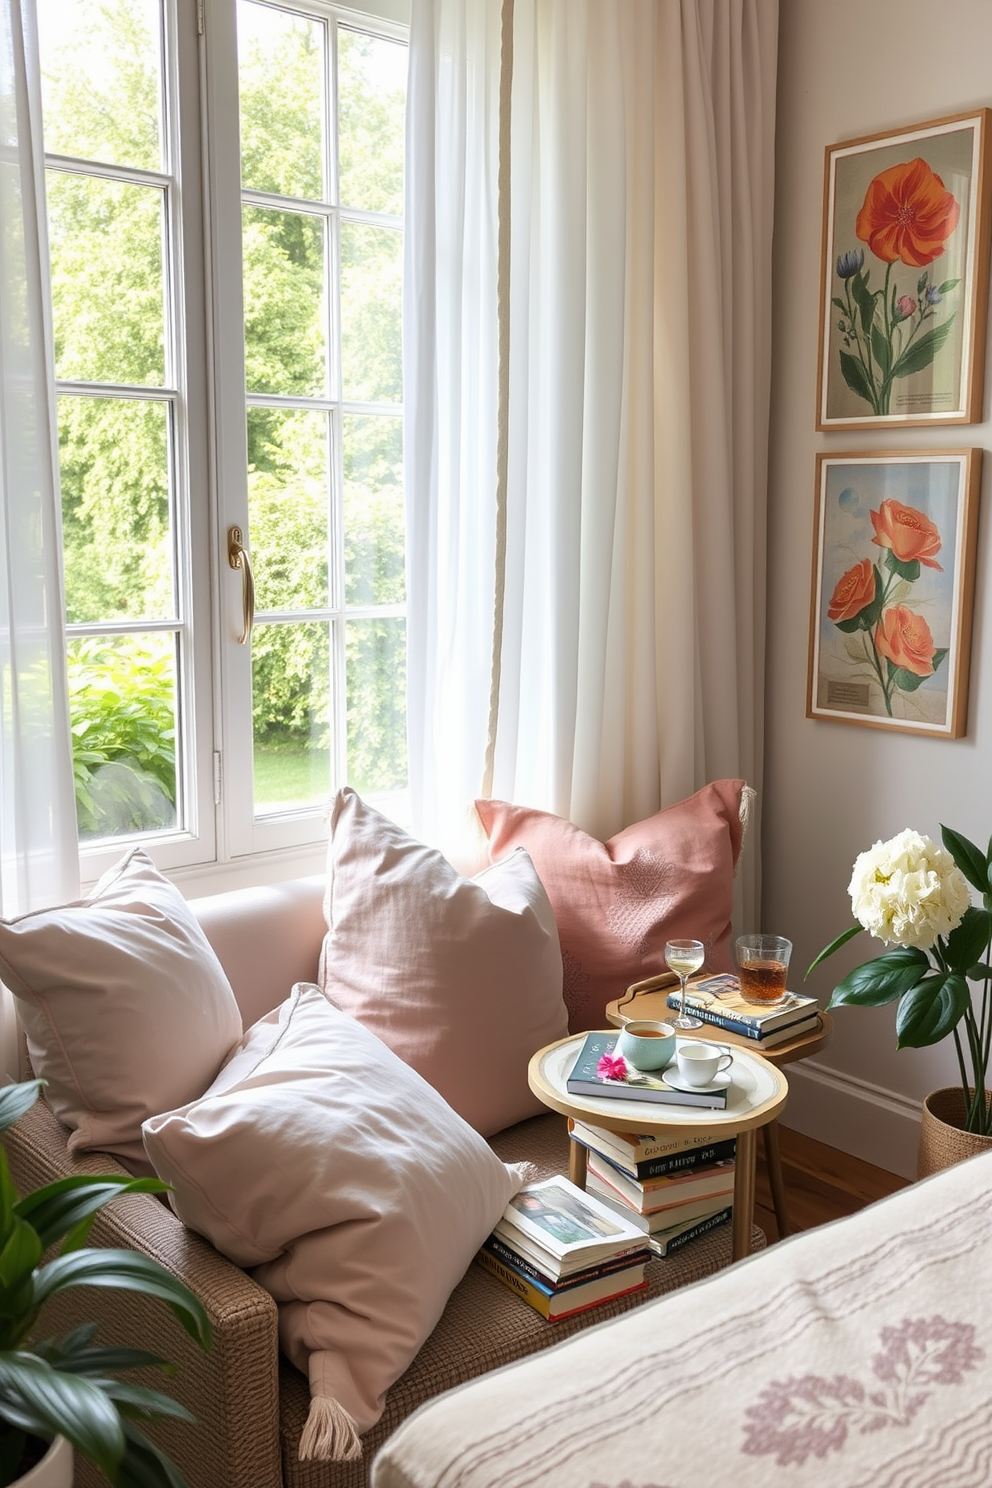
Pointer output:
x,y
904,638
907,533
907,214
854,592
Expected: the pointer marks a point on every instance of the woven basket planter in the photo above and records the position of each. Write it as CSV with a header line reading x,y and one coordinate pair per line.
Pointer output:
x,y
943,1140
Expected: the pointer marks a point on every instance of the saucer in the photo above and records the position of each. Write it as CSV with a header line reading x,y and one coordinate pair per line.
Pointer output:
x,y
670,1077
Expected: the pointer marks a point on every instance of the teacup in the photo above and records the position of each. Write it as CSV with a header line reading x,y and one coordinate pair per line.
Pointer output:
x,y
645,1044
699,1064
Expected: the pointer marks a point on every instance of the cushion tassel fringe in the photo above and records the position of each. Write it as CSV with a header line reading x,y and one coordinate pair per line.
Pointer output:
x,y
330,1434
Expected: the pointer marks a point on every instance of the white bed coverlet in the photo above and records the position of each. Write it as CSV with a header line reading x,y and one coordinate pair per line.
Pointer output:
x,y
857,1354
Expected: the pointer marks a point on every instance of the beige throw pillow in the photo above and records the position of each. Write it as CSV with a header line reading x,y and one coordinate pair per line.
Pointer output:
x,y
126,1008
461,977
358,1196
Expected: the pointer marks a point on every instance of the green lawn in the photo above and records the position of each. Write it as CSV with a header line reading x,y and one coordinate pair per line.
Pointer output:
x,y
291,777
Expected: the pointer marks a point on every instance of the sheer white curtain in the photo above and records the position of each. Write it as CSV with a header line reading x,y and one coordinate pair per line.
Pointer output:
x,y
638,306
450,401
38,854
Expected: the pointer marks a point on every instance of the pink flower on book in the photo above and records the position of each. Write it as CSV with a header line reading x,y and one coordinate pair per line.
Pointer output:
x,y
612,1067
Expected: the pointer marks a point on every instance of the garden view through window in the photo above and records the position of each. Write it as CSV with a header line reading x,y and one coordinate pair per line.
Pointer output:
x,y
318,116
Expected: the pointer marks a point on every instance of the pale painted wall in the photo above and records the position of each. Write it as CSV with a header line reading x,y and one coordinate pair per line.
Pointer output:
x,y
849,68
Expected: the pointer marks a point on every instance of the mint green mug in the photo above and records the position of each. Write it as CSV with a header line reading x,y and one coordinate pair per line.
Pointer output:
x,y
645,1044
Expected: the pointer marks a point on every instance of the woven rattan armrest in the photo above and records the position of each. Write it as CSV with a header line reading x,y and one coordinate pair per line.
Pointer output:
x,y
233,1389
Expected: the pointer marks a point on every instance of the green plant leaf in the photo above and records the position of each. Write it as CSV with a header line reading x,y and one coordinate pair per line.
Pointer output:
x,y
920,354
67,1207
130,1271
144,1466
44,1401
969,858
947,286
938,656
839,304
834,945
76,1352
968,940
138,1402
15,1100
19,1256
882,980
856,377
980,972
929,1011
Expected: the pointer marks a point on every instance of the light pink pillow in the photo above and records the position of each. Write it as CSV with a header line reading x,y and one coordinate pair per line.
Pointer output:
x,y
125,1006
358,1196
460,977
616,903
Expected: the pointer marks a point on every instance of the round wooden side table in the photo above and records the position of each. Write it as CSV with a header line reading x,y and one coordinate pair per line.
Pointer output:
x,y
650,997
757,1095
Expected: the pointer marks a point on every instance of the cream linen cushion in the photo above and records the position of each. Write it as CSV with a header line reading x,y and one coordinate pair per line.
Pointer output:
x,y
461,977
125,1006
321,1160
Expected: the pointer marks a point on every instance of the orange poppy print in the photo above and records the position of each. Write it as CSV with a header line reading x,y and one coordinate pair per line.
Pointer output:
x,y
908,214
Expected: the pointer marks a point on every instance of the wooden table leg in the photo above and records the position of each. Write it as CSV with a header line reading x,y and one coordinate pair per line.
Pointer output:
x,y
577,1164
747,1152
773,1161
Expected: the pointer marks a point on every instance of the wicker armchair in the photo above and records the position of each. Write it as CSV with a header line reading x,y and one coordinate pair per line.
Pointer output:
x,y
250,1404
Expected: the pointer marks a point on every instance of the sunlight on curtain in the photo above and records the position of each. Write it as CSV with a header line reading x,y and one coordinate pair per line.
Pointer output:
x,y
640,210
449,380
38,856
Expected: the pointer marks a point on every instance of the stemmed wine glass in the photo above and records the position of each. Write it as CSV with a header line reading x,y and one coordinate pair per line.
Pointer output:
x,y
684,957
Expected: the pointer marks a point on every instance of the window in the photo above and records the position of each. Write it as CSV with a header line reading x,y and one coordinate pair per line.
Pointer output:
x,y
226,272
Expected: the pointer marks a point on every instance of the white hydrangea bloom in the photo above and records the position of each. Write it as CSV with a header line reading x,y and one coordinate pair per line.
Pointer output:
x,y
907,891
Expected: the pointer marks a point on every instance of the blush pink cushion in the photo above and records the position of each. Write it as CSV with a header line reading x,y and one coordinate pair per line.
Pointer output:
x,y
358,1196
460,977
617,902
125,1006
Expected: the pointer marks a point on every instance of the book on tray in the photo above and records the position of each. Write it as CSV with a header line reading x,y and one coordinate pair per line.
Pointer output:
x,y
718,1001
680,1156
584,1079
562,1298
651,1195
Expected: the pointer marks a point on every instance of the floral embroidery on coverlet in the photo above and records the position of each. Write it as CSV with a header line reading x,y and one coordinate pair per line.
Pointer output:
x,y
810,1415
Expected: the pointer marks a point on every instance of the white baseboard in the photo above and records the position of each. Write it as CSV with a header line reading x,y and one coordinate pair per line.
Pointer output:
x,y
879,1126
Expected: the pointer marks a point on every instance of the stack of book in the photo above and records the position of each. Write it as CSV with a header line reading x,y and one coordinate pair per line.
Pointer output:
x,y
673,1188
717,1000
562,1250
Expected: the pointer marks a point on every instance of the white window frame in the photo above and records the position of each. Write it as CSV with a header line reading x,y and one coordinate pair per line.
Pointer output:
x,y
222,844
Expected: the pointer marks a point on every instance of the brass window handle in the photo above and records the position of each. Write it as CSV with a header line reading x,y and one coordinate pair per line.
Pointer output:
x,y
237,556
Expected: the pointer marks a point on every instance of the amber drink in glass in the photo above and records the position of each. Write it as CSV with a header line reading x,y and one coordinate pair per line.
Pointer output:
x,y
763,968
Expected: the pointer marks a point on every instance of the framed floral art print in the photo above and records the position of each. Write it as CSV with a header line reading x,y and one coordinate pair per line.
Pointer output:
x,y
904,276
893,583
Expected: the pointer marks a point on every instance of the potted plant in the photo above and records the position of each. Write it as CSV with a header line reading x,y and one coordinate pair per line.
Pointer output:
x,y
65,1387
916,896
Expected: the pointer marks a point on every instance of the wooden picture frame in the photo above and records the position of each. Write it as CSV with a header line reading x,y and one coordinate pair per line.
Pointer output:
x,y
904,276
893,587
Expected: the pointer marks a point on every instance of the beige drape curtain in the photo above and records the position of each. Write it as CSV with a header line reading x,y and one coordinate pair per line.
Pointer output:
x,y
634,226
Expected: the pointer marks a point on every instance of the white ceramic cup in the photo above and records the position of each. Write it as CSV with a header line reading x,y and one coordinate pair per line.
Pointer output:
x,y
699,1064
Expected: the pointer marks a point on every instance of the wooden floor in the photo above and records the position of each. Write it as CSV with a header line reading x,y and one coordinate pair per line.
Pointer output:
x,y
821,1184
